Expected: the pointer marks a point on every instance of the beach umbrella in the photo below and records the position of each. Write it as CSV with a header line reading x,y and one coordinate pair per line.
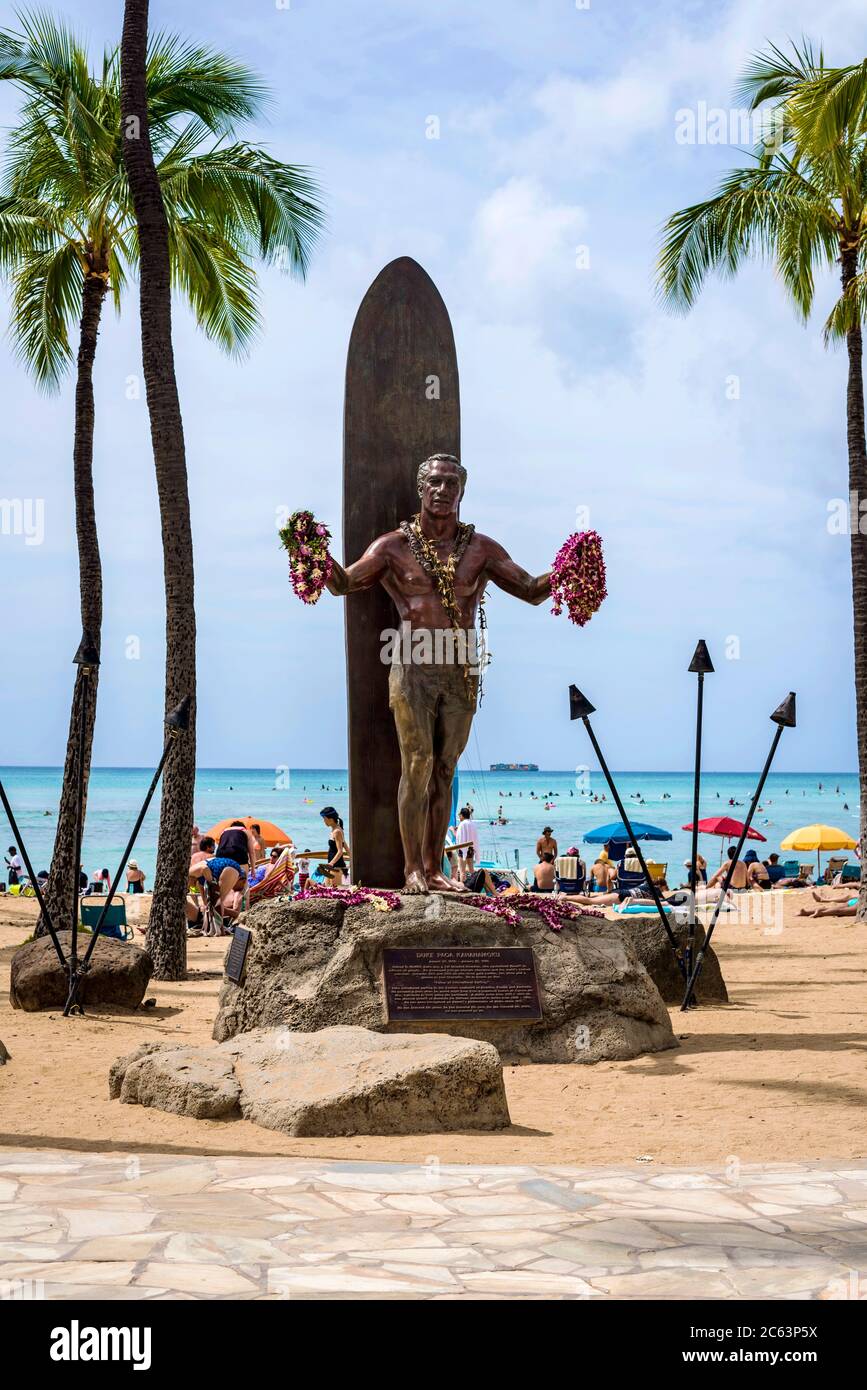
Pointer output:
x,y
726,827
818,837
618,830
270,833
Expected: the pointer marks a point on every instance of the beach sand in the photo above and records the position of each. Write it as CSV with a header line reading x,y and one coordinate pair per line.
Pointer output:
x,y
779,1074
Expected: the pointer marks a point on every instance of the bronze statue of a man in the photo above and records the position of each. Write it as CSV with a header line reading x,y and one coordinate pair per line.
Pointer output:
x,y
435,569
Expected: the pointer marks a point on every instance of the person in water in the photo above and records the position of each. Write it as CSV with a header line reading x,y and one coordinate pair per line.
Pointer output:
x,y
335,866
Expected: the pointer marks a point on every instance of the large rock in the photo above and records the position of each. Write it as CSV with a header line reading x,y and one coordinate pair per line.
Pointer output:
x,y
118,974
312,965
338,1081
195,1081
653,949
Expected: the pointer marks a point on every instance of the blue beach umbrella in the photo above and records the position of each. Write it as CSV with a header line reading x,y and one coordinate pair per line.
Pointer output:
x,y
617,831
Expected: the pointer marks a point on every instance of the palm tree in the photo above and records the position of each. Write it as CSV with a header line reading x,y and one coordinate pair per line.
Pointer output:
x,y
802,206
68,238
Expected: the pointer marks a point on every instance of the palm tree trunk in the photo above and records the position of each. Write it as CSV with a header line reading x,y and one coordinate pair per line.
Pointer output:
x,y
166,935
63,883
857,442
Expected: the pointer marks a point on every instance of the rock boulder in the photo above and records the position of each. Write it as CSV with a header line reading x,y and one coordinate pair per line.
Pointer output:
x,y
335,1082
313,965
118,975
653,949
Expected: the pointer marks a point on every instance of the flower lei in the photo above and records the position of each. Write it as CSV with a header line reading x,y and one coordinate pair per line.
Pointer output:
x,y
310,564
554,911
578,577
382,899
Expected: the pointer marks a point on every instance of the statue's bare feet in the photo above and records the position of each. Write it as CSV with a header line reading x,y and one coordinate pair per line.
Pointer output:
x,y
438,883
415,882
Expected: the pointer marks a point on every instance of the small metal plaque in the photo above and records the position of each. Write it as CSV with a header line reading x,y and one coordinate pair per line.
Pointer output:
x,y
238,954
450,983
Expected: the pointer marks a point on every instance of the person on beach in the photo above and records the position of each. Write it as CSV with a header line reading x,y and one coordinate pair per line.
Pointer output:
x,y
467,839
776,872
335,866
261,850
603,873
546,844
757,874
739,874
700,869
135,878
236,850
544,874
15,865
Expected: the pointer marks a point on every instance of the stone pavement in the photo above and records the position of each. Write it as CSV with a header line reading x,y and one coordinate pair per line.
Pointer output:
x,y
89,1226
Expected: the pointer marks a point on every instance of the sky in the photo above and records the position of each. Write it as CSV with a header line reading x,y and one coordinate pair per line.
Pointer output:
x,y
705,449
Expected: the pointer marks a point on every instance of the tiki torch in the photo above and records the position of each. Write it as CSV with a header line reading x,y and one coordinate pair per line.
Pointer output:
x,y
701,665
581,708
784,718
177,723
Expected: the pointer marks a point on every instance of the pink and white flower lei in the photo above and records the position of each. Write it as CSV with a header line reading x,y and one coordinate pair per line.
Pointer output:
x,y
553,910
310,564
382,899
578,577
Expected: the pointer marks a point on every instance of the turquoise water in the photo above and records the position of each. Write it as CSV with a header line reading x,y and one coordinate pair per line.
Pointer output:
x,y
294,799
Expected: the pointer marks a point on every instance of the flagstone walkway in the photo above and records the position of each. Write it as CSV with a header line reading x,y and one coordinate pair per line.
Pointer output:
x,y
89,1226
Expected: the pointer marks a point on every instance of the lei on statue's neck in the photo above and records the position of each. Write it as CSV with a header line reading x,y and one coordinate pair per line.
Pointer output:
x,y
442,572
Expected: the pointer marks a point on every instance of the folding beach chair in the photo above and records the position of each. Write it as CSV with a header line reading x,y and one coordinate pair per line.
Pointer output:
x,y
851,873
114,923
791,868
568,878
657,871
280,880
625,881
835,867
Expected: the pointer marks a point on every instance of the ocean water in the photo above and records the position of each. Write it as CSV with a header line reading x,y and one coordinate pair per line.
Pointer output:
x,y
293,800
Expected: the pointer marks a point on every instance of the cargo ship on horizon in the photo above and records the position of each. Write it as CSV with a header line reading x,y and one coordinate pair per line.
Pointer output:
x,y
514,767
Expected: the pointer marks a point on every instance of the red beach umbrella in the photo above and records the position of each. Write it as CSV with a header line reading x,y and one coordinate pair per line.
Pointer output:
x,y
725,826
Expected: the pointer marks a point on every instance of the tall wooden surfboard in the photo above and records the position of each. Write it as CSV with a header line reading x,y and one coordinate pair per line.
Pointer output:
x,y
402,404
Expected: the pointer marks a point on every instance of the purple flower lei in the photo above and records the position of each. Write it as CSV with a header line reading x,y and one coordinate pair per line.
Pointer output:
x,y
382,898
553,911
578,577
306,541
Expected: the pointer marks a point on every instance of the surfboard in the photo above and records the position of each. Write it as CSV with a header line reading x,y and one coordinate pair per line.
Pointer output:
x,y
402,403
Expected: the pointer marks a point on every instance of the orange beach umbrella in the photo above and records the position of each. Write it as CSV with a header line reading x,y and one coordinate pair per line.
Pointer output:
x,y
270,833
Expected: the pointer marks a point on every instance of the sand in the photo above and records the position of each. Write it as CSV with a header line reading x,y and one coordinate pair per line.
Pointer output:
x,y
779,1074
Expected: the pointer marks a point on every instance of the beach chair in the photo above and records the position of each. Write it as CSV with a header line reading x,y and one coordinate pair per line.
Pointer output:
x,y
568,878
657,871
835,867
114,923
791,868
850,873
625,881
280,880
805,872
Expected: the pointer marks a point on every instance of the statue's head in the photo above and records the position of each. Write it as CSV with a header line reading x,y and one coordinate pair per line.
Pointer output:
x,y
441,481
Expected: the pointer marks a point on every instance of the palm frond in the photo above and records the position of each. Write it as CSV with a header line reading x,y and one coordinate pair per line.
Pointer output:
x,y
46,298
772,214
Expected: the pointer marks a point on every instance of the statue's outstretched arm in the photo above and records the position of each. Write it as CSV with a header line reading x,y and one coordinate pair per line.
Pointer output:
x,y
508,576
363,574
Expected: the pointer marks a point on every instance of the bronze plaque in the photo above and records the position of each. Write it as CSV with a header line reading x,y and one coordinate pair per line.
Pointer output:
x,y
237,954
450,983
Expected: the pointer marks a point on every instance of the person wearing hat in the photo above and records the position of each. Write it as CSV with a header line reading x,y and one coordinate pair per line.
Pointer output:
x,y
757,874
135,878
546,844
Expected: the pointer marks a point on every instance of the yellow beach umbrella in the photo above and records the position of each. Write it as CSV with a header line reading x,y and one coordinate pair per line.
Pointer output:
x,y
819,837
